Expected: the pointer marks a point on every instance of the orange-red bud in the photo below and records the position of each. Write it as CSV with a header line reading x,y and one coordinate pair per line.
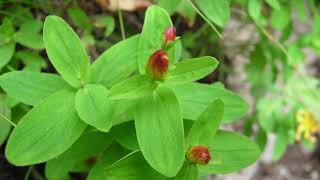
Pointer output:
x,y
169,35
158,64
199,155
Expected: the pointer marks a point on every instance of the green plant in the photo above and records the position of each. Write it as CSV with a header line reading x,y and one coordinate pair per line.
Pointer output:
x,y
85,115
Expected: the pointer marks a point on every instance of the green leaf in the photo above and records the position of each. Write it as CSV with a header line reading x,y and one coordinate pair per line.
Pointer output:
x,y
106,22
87,146
6,53
125,135
230,152
280,145
6,31
216,10
109,157
134,87
92,106
46,131
131,167
117,63
31,87
189,171
65,51
158,119
169,5
267,110
28,34
5,126
301,9
195,98
254,9
281,18
274,4
156,22
32,61
206,126
191,69
80,19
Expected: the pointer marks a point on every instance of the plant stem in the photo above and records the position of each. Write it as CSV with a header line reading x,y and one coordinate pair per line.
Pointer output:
x,y
123,34
26,177
36,175
204,17
5,118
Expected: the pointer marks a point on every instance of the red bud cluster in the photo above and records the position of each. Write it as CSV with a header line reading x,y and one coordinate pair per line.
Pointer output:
x,y
169,35
199,155
158,64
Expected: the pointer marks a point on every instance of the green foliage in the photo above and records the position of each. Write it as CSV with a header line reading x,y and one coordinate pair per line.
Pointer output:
x,y
216,10
65,51
158,118
136,122
92,106
37,138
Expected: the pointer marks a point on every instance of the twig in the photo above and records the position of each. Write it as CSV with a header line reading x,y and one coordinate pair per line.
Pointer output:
x,y
123,34
5,118
26,177
204,17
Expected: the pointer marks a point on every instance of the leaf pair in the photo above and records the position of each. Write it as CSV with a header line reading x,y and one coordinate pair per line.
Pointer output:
x,y
158,116
57,120
230,152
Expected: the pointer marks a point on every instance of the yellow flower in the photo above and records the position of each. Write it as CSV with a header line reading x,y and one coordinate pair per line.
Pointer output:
x,y
307,125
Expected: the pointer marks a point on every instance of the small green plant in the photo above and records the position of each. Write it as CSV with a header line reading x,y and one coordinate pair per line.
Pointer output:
x,y
135,113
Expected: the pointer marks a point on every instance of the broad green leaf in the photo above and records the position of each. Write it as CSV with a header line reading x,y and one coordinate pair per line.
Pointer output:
x,y
6,31
6,53
206,126
254,9
121,111
5,126
267,111
79,18
87,146
230,152
65,51
31,87
46,131
156,22
191,69
28,34
92,106
280,145
125,134
195,98
106,22
131,167
117,63
189,171
32,61
281,18
134,87
169,5
295,54
158,119
218,11
112,154
274,4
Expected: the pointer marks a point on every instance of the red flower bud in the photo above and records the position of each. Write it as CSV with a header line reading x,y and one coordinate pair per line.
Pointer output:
x,y
169,35
199,155
158,64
